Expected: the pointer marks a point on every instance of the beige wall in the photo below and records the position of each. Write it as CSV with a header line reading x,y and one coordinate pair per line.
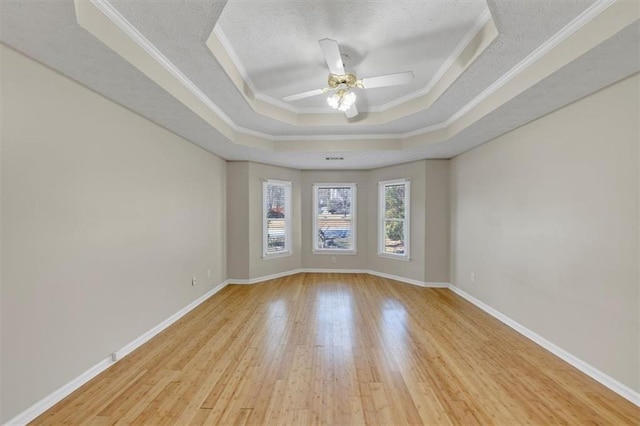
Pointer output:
x,y
414,268
260,266
106,218
429,211
2,123
437,221
547,218
238,234
244,210
363,239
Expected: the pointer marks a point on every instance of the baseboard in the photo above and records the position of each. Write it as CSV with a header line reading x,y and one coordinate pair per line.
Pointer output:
x,y
263,278
339,271
608,381
333,271
58,395
293,272
408,280
126,350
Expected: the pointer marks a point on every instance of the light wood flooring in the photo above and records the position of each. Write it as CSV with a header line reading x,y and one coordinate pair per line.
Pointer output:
x,y
340,349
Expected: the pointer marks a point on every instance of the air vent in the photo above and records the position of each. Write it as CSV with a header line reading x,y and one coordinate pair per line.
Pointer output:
x,y
334,158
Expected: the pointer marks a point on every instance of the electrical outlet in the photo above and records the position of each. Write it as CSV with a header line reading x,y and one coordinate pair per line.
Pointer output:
x,y
193,281
472,277
208,273
333,259
114,357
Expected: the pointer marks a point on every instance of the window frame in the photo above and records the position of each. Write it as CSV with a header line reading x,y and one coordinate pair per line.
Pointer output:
x,y
288,251
314,212
382,185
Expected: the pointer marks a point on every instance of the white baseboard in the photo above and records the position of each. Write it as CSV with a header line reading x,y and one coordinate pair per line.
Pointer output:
x,y
263,278
126,350
408,280
339,271
333,271
55,397
293,272
608,381
58,395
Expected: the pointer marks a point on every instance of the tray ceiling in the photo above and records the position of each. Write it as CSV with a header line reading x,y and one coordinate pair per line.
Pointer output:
x,y
275,45
154,58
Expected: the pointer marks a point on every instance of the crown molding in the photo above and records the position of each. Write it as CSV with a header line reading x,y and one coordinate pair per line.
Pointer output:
x,y
580,21
132,32
481,34
476,27
430,134
226,45
478,24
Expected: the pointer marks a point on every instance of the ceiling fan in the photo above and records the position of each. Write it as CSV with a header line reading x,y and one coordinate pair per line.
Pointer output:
x,y
341,82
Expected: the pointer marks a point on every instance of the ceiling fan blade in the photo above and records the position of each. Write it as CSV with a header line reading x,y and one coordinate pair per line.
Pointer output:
x,y
351,112
303,95
331,52
388,80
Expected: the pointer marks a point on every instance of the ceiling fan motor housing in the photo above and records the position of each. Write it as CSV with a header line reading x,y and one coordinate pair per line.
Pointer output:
x,y
348,79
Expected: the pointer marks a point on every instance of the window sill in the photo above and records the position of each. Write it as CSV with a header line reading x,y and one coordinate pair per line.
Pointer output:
x,y
276,255
395,257
334,252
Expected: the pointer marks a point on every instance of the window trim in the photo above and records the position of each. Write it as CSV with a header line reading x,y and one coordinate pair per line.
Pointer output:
x,y
354,201
407,218
287,219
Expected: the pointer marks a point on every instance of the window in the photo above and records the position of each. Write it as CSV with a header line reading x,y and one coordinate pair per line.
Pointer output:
x,y
276,216
334,218
393,213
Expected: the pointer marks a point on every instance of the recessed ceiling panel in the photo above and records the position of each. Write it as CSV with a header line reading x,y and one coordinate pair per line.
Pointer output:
x,y
546,55
275,44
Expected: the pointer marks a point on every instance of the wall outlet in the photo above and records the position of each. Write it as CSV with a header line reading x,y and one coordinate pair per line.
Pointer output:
x,y
333,259
114,357
208,273
472,277
193,281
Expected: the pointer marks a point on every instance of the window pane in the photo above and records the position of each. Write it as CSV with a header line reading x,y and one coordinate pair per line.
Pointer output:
x,y
334,231
333,218
276,238
394,236
275,201
334,201
394,201
393,217
275,235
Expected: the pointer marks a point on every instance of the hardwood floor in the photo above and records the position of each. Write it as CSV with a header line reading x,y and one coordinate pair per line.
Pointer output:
x,y
340,349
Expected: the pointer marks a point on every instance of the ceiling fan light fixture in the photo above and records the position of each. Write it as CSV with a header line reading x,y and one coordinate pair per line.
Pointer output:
x,y
342,100
341,82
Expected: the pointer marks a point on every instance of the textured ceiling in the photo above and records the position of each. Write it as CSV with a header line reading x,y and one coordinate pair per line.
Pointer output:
x,y
277,43
48,32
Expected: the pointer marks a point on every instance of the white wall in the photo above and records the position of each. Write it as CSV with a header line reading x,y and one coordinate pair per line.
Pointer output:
x,y
547,218
106,218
